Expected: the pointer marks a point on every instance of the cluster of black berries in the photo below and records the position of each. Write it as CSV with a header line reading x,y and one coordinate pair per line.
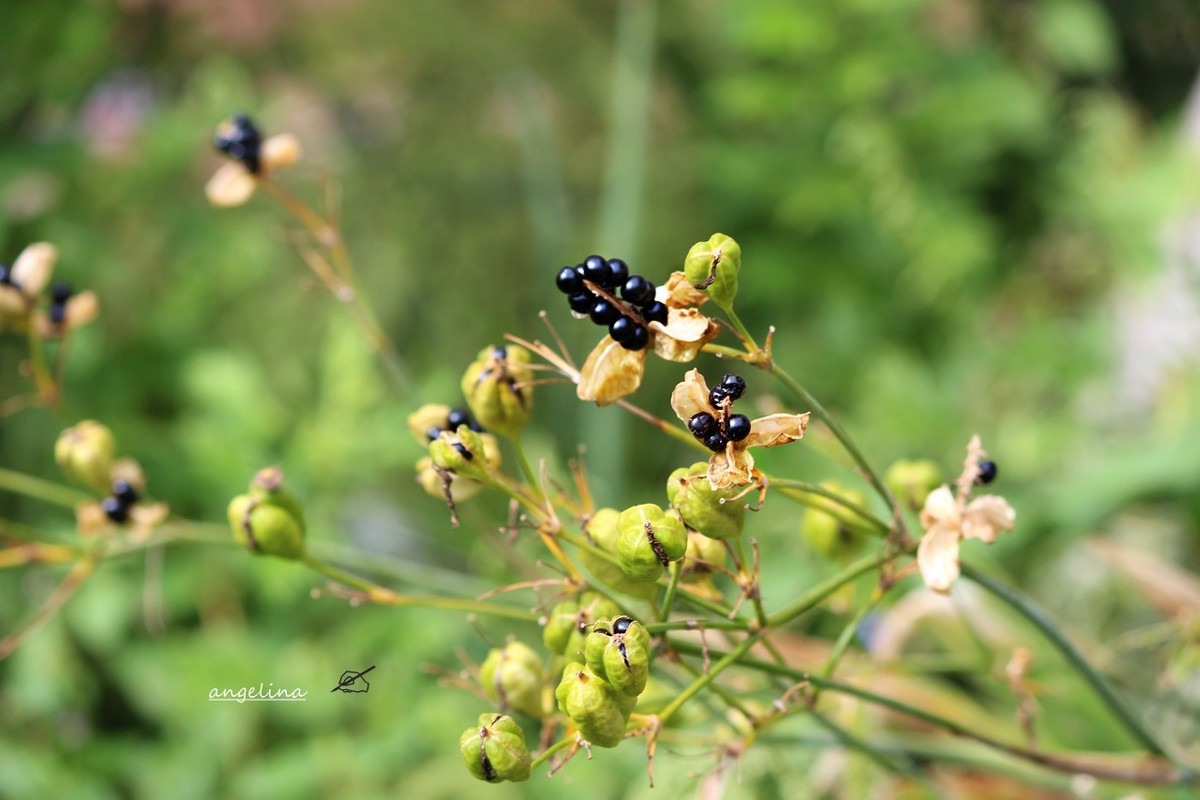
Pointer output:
x,y
718,431
60,293
116,506
456,417
986,472
240,140
626,323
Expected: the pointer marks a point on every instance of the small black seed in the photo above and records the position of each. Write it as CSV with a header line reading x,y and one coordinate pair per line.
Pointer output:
x,y
638,339
433,432
475,426
702,424
638,290
738,427
463,451
596,270
500,352
124,492
568,281
987,472
581,302
604,313
58,313
622,329
716,395
734,385
458,416
619,271
61,292
656,312
716,441
115,510
621,624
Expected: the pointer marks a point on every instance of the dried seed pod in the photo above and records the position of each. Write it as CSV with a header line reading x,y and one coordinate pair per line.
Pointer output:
x,y
494,750
85,454
712,267
627,657
512,676
713,512
497,388
268,520
596,708
648,540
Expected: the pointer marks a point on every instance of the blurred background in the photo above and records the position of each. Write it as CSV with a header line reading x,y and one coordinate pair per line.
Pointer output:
x,y
962,216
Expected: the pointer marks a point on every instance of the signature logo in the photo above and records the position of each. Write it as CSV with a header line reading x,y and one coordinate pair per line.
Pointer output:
x,y
350,680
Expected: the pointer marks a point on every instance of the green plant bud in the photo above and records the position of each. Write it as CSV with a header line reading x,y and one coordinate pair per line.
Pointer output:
x,y
494,750
712,512
601,528
627,657
430,415
712,267
268,520
592,606
647,540
497,389
702,557
595,707
465,452
560,625
434,484
85,454
595,644
912,481
512,676
829,527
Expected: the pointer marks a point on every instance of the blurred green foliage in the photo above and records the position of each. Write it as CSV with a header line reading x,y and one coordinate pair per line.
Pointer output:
x,y
938,202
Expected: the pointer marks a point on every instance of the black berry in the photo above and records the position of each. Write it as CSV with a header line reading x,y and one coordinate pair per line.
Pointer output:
x,y
604,313
734,385
702,424
638,339
568,281
716,441
738,427
433,432
656,312
125,493
241,141
619,271
115,510
581,302
58,313
638,290
621,624
716,395
475,426
60,292
458,416
622,329
987,472
463,451
596,270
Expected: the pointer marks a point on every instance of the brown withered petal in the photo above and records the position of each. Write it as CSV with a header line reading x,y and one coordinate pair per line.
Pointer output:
x,y
986,516
33,267
13,302
733,466
690,396
679,293
280,151
686,331
231,185
776,429
937,557
610,373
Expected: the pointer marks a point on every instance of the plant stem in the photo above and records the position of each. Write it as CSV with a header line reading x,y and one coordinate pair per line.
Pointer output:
x,y
550,751
62,593
20,483
727,660
825,588
672,588
844,639
1028,609
797,489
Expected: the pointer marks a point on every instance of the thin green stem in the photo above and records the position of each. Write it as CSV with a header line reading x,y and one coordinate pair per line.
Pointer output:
x,y
739,553
1032,612
844,639
29,486
672,588
550,751
814,596
726,696
892,765
727,660
797,490
531,477
698,624
742,330
822,414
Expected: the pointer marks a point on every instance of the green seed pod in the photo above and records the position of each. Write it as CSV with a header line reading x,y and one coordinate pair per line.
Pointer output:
x,y
601,528
648,540
912,481
497,389
702,556
85,454
627,657
595,644
430,415
829,527
712,512
463,452
592,606
593,705
712,267
512,676
268,520
494,750
434,484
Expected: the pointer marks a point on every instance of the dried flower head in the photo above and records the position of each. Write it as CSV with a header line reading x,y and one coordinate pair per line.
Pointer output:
x,y
253,159
22,286
948,518
733,465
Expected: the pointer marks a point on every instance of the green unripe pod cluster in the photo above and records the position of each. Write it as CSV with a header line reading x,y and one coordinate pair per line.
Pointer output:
x,y
713,266
619,651
601,528
268,520
597,709
512,676
495,751
497,388
571,620
713,512
85,454
648,539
